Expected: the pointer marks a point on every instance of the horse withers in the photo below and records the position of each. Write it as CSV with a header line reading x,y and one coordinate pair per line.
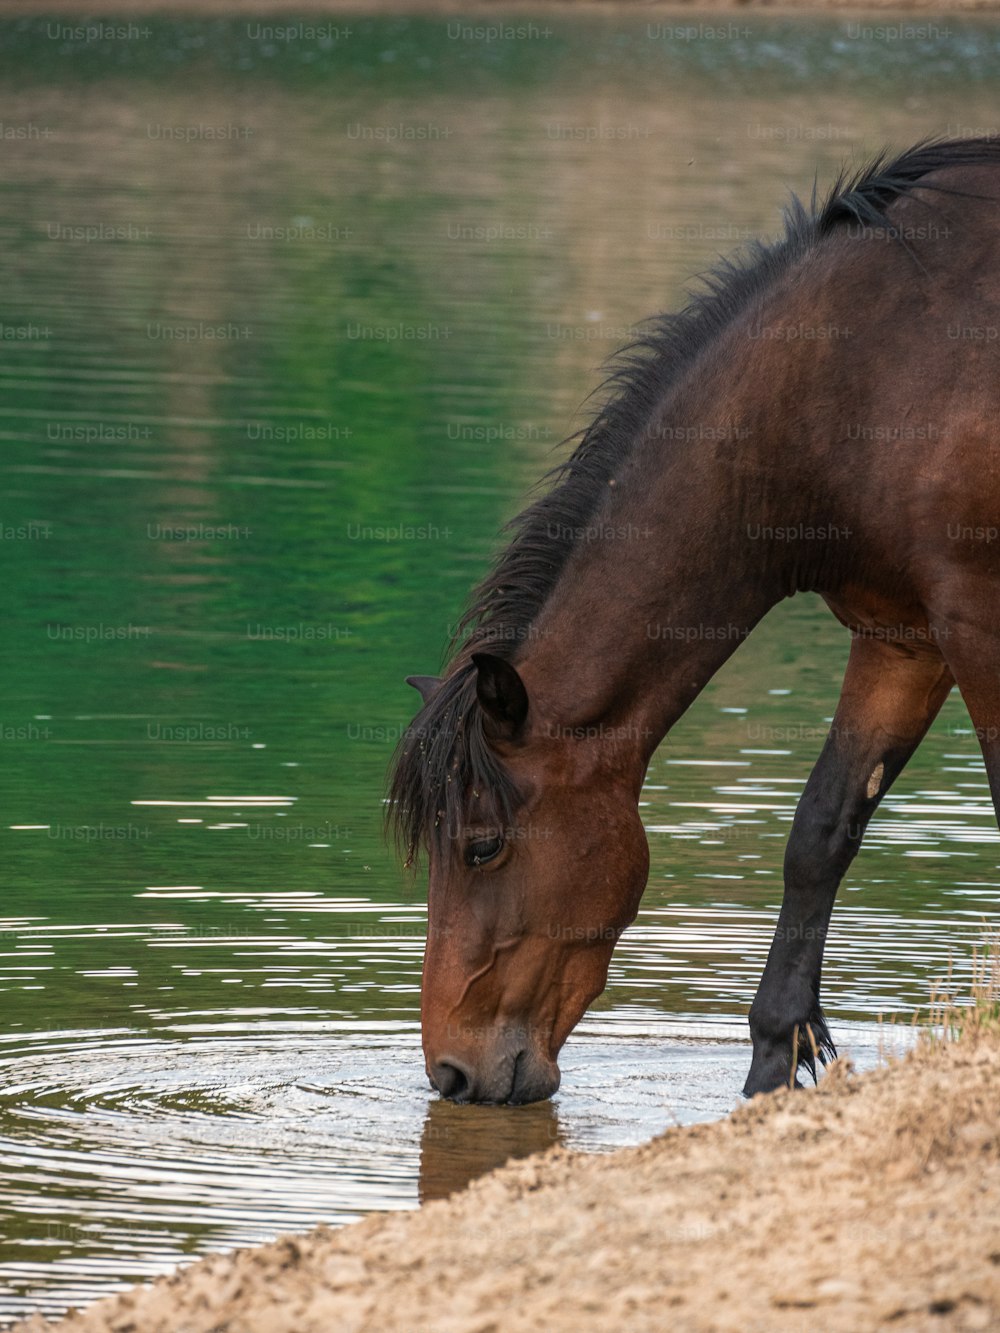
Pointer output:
x,y
721,475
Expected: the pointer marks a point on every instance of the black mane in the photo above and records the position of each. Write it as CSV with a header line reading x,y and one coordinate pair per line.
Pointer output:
x,y
445,751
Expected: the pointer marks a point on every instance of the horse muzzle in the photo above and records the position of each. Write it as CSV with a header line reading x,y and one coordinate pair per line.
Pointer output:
x,y
514,1076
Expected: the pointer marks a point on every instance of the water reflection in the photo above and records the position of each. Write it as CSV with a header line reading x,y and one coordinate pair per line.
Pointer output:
x,y
461,1143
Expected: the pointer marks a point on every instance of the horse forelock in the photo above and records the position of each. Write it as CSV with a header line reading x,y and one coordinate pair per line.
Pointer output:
x,y
446,774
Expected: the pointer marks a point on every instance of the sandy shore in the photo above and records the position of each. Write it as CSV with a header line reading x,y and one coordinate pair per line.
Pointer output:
x,y
869,1202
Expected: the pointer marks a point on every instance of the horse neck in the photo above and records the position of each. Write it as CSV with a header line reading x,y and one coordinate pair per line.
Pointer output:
x,y
672,573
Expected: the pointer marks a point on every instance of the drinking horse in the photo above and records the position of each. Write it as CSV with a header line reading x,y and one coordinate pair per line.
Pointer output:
x,y
822,416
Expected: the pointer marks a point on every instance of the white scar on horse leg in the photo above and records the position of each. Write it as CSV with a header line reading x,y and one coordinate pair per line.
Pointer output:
x,y
875,781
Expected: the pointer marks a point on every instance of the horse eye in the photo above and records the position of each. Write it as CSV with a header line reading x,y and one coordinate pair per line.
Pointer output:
x,y
478,853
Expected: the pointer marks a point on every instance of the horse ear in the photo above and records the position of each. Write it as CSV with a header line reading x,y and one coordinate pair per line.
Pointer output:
x,y
501,693
426,686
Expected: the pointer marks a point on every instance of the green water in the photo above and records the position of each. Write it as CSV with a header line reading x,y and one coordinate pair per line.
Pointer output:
x,y
288,330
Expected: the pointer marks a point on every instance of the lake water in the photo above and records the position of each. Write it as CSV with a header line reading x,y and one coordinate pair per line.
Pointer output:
x,y
289,328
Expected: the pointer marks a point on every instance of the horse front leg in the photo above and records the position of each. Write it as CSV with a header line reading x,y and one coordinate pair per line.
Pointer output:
x,y
887,702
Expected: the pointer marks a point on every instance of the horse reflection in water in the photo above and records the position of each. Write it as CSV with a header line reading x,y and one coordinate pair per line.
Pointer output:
x,y
810,422
456,1147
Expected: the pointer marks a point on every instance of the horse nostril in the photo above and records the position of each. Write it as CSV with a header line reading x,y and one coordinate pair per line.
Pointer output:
x,y
451,1081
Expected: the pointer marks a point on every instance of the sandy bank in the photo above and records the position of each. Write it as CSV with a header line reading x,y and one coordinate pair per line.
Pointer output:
x,y
869,1202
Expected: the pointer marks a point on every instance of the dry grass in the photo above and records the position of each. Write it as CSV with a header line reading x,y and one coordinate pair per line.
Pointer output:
x,y
954,1011
952,1016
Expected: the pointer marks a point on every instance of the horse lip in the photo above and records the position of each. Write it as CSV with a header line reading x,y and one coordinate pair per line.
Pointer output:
x,y
534,1092
513,1077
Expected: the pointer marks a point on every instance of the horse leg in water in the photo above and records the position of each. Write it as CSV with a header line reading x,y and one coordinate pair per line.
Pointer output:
x,y
889,698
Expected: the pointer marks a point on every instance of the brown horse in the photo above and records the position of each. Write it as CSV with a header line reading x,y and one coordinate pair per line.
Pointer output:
x,y
824,417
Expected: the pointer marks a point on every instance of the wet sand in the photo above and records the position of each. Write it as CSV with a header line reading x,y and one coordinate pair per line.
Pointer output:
x,y
871,1201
